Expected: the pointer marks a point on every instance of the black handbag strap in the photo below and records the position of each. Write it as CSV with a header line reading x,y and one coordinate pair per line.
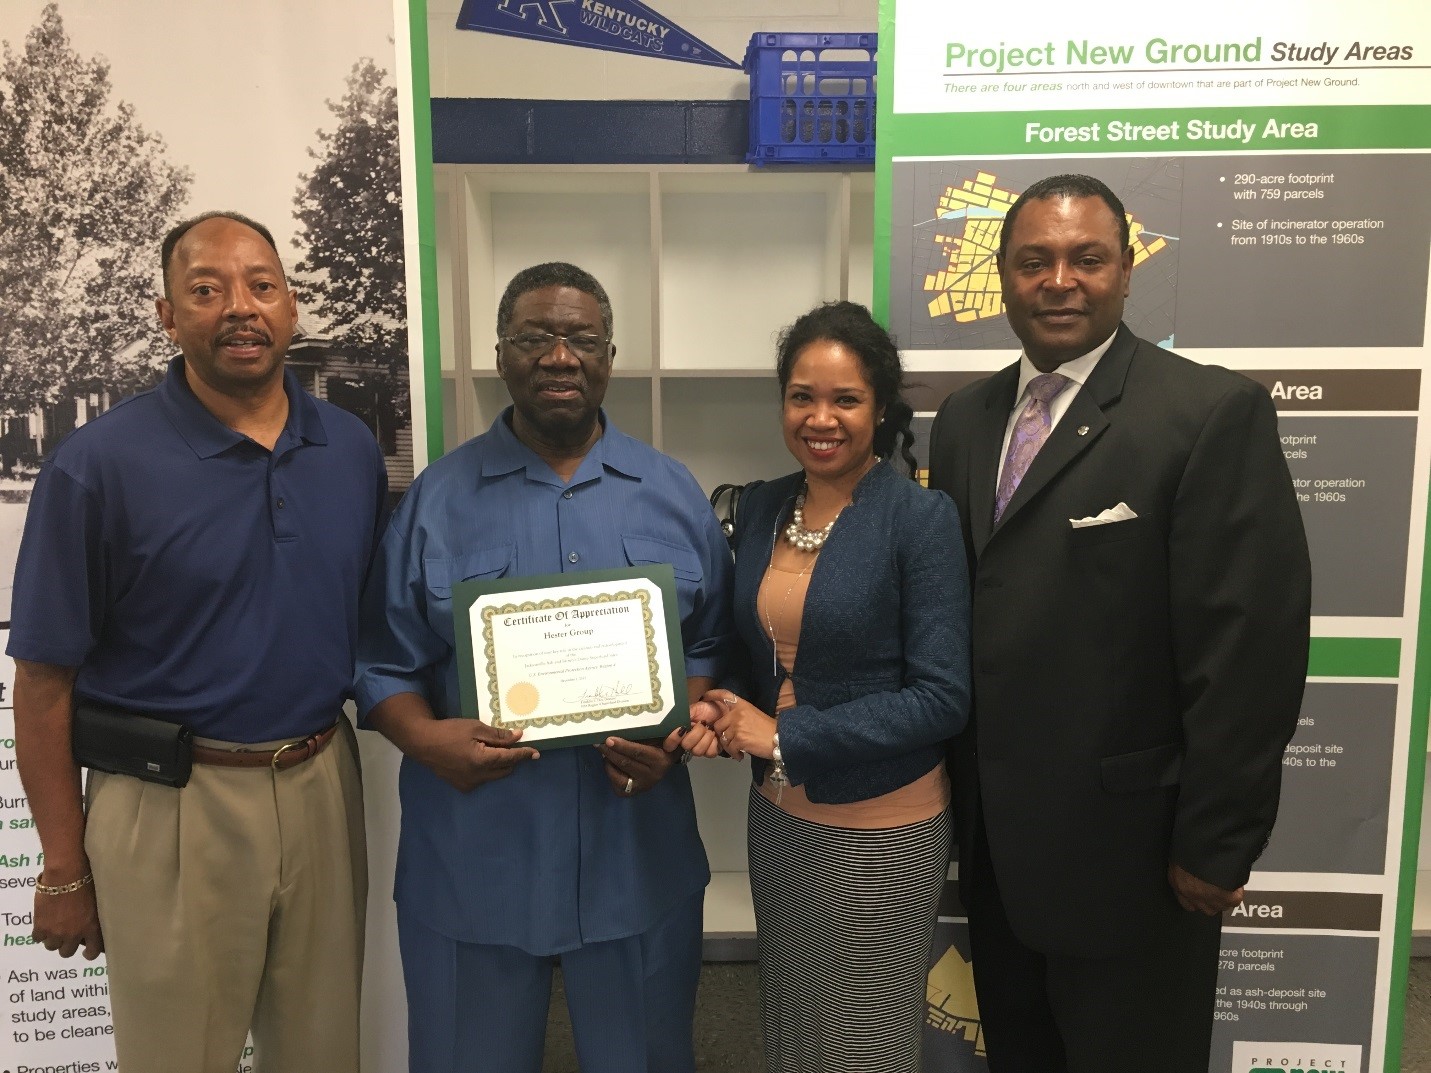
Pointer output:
x,y
729,494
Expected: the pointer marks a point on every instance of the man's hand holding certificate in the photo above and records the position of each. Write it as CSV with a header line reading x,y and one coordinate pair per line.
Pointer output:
x,y
574,658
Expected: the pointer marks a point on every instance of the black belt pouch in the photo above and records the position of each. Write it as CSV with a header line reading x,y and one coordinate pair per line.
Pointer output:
x,y
127,743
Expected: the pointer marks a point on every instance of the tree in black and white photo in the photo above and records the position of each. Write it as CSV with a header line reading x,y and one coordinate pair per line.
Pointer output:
x,y
86,194
349,209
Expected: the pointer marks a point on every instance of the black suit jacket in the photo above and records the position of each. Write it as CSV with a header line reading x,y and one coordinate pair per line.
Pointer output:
x,y
1135,683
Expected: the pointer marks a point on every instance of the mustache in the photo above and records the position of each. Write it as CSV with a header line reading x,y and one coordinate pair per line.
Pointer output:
x,y
230,334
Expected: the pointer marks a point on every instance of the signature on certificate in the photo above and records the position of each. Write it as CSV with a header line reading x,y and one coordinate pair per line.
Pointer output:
x,y
603,694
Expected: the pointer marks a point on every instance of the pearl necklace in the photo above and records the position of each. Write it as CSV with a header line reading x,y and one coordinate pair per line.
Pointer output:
x,y
806,539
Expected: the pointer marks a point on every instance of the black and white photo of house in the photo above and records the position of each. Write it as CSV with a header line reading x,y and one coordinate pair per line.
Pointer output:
x,y
116,122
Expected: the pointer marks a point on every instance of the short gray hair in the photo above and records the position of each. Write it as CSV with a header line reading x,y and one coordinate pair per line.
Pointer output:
x,y
552,274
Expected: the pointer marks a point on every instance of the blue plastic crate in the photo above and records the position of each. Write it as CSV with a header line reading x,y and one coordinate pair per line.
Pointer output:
x,y
807,107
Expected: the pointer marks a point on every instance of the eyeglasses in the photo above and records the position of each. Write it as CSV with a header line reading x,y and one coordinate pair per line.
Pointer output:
x,y
540,344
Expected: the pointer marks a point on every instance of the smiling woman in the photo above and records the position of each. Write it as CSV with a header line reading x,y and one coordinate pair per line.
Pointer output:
x,y
829,415
856,626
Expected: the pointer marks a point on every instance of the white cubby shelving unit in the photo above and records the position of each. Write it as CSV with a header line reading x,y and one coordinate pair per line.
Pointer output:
x,y
704,264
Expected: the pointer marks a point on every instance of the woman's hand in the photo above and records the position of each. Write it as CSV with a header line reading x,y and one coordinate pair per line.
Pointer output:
x,y
741,726
700,739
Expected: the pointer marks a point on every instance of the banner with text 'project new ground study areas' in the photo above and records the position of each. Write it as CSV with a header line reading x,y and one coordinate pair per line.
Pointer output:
x,y
1273,160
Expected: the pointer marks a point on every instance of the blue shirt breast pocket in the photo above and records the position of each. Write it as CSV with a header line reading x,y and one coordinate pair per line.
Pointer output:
x,y
684,562
439,575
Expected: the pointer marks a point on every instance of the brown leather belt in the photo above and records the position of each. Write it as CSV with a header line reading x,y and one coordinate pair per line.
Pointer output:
x,y
280,759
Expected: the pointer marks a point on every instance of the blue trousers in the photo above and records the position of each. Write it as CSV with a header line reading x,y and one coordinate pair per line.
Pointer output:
x,y
474,1008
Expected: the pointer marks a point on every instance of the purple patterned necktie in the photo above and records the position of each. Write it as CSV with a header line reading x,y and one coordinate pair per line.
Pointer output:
x,y
1030,431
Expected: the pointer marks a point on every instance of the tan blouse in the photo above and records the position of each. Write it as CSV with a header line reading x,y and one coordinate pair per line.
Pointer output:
x,y
780,604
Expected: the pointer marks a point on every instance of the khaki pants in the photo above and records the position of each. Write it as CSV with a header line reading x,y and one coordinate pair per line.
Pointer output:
x,y
236,903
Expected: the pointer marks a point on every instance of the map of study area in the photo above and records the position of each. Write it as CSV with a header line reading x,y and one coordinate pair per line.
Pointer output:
x,y
1305,250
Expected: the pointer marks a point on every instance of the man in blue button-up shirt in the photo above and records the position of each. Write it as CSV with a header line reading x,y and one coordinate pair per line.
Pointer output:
x,y
510,858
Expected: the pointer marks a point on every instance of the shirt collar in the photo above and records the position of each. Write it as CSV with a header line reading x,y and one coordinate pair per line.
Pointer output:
x,y
207,436
1078,370
614,450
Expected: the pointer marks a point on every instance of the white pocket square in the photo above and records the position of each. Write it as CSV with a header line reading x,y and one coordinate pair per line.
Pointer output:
x,y
1121,513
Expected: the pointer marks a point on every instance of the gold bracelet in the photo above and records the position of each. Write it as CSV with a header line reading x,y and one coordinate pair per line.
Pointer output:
x,y
65,888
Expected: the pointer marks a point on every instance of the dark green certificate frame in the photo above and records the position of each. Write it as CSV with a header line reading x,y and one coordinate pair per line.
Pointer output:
x,y
545,595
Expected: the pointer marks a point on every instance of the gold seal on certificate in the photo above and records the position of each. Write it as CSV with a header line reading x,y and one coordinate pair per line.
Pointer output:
x,y
572,658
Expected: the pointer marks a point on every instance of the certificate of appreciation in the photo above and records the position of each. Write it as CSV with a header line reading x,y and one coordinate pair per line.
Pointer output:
x,y
573,658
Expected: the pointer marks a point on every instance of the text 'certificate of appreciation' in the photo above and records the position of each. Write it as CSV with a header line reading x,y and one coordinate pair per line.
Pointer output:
x,y
573,658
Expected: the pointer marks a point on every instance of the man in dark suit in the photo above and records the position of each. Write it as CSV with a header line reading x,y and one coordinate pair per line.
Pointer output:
x,y
1140,629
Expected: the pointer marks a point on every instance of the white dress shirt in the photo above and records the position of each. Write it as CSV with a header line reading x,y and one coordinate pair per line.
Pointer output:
x,y
1077,370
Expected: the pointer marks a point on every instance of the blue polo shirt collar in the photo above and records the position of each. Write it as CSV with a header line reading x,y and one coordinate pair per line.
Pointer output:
x,y
614,451
207,436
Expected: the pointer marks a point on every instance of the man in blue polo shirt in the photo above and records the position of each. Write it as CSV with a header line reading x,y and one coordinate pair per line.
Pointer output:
x,y
195,556
509,859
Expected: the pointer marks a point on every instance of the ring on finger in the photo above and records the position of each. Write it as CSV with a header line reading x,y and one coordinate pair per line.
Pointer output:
x,y
730,701
630,786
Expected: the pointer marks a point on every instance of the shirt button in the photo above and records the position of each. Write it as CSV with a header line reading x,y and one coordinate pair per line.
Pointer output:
x,y
573,557
280,502
566,494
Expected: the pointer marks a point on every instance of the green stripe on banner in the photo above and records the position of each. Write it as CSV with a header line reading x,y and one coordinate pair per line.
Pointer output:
x,y
431,386
884,171
1411,826
1354,657
1158,130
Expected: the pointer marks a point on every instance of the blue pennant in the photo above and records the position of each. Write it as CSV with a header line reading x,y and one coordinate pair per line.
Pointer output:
x,y
611,25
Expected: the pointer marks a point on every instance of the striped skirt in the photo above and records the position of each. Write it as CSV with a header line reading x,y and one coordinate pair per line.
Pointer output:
x,y
845,919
